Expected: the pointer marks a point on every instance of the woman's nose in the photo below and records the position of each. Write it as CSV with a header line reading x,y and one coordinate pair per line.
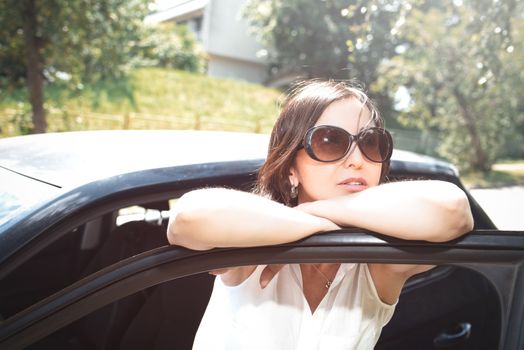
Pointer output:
x,y
354,158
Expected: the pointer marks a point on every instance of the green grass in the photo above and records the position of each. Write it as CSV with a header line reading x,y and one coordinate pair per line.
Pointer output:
x,y
508,173
150,98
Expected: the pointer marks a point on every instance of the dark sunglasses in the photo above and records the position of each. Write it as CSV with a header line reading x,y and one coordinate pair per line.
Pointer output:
x,y
327,143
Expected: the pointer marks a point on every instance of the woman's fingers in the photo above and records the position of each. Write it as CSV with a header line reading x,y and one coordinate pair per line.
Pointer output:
x,y
268,273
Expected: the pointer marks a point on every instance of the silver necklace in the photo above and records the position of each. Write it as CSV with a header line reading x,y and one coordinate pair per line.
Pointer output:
x,y
328,281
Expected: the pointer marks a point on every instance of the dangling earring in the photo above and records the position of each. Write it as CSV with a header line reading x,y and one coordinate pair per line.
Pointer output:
x,y
294,191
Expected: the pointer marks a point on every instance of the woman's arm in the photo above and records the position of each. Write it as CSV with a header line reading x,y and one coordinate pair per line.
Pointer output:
x,y
417,210
217,217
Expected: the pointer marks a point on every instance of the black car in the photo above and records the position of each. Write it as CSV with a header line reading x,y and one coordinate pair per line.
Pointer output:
x,y
85,264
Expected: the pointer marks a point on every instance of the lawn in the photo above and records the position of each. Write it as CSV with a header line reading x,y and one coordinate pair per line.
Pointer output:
x,y
507,173
150,98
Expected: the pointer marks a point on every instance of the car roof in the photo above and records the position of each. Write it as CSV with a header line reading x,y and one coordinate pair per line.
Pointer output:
x,y
70,159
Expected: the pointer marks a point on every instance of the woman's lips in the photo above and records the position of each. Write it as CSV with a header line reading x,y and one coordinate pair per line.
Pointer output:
x,y
353,184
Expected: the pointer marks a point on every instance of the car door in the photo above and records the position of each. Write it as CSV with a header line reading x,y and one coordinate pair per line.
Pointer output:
x,y
495,256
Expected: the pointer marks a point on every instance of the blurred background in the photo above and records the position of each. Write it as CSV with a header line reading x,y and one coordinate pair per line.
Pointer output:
x,y
447,75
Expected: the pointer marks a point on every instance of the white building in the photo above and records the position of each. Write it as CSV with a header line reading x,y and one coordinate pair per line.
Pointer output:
x,y
231,51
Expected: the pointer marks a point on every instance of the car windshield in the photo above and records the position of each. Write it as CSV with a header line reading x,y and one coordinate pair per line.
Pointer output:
x,y
18,192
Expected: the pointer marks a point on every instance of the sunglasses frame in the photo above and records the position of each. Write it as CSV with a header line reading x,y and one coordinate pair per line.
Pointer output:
x,y
352,138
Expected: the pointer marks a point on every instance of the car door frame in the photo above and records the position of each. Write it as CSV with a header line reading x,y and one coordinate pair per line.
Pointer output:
x,y
497,255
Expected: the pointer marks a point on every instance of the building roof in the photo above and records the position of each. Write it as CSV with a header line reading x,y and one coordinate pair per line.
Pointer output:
x,y
176,10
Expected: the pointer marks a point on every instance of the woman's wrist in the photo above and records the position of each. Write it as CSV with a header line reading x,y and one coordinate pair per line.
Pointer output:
x,y
317,208
330,225
314,209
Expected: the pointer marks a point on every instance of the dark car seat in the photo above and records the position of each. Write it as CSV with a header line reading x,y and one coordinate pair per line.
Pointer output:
x,y
103,328
170,317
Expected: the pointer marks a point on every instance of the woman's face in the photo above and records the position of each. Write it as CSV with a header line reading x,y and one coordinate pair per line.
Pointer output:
x,y
353,173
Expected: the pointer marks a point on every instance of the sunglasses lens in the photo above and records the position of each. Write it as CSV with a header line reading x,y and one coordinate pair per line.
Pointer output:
x,y
329,144
375,144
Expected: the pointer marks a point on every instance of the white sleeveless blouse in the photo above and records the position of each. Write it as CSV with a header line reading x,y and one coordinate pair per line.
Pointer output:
x,y
350,316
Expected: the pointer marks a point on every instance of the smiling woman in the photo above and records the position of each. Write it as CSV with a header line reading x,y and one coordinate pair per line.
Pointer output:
x,y
310,184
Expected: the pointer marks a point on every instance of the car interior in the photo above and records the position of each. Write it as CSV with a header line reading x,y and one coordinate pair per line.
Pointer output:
x,y
443,302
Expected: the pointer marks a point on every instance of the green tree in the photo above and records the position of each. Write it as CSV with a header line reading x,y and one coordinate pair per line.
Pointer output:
x,y
312,37
170,45
305,37
72,40
453,65
512,85
339,39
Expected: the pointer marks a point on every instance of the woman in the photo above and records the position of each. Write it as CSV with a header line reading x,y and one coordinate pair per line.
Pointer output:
x,y
328,154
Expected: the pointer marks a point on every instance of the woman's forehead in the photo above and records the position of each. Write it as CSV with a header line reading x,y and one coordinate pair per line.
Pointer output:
x,y
350,114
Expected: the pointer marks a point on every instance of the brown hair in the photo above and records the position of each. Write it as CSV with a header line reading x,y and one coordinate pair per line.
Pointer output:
x,y
301,110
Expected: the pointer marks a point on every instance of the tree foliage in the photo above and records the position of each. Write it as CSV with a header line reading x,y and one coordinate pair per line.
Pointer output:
x,y
316,38
170,45
453,64
68,40
302,36
458,60
86,40
12,66
338,39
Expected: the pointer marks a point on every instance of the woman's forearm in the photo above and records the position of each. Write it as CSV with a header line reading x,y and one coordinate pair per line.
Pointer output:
x,y
420,210
211,218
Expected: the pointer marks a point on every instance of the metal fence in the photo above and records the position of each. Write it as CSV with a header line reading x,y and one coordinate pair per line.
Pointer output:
x,y
71,120
420,141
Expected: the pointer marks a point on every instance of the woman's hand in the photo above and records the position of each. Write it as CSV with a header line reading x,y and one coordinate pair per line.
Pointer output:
x,y
268,273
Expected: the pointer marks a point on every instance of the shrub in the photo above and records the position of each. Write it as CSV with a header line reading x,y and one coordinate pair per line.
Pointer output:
x,y
170,45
